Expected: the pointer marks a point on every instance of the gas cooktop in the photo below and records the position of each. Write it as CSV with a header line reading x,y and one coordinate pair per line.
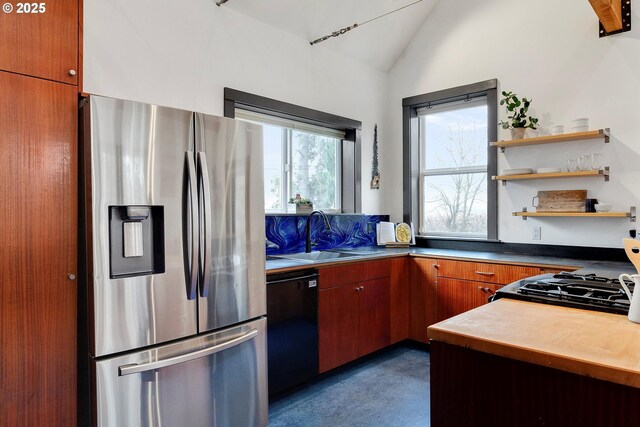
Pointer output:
x,y
571,290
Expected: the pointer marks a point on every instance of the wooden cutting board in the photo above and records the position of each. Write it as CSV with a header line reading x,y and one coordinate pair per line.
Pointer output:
x,y
562,201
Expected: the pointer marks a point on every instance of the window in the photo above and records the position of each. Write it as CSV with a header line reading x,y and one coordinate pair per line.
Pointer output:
x,y
307,152
453,168
448,191
299,159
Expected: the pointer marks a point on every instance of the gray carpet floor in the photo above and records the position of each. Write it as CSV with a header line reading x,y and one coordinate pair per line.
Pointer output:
x,y
390,389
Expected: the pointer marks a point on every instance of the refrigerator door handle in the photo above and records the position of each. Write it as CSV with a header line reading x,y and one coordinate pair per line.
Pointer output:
x,y
192,233
205,261
136,369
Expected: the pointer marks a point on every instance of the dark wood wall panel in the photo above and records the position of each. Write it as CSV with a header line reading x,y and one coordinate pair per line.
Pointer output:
x,y
38,209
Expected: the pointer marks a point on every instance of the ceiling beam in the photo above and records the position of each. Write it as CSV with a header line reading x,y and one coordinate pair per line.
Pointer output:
x,y
609,12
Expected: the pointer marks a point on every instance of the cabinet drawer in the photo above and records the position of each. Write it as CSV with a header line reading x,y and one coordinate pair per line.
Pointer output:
x,y
376,269
484,272
338,275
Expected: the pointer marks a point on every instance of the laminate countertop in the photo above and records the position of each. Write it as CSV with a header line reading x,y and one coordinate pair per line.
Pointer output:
x,y
275,264
600,345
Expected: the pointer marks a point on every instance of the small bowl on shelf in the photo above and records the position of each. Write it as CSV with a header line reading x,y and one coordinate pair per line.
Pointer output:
x,y
602,207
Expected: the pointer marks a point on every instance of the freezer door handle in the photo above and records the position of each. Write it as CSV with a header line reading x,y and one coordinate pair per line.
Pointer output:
x,y
191,230
136,368
205,235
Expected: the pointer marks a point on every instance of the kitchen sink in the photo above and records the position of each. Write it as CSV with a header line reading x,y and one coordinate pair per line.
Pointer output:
x,y
318,255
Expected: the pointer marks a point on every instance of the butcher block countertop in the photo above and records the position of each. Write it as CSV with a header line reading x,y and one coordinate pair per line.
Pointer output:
x,y
599,345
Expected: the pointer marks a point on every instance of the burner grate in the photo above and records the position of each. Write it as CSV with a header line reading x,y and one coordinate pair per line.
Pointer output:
x,y
586,291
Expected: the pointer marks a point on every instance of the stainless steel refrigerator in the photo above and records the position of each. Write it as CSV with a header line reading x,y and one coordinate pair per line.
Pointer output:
x,y
175,298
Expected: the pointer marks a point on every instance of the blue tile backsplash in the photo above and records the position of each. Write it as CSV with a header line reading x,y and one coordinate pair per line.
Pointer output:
x,y
286,233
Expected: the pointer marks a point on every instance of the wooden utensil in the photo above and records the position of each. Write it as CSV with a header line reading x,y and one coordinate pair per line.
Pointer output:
x,y
561,201
632,249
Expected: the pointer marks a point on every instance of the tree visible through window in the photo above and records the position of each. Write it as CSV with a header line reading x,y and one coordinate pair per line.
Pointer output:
x,y
453,168
302,162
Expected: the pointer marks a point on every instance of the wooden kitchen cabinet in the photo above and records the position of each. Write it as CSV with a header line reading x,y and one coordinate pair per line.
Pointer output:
x,y
457,296
38,183
374,308
43,44
400,298
423,290
485,272
465,285
337,326
353,318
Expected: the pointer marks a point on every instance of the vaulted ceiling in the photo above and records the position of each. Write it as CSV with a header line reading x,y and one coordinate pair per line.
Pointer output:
x,y
378,43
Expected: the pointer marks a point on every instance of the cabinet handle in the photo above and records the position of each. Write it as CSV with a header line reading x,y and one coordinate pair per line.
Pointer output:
x,y
72,72
436,266
485,273
482,289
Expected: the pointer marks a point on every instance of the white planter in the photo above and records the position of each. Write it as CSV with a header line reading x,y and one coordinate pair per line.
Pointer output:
x,y
301,209
517,133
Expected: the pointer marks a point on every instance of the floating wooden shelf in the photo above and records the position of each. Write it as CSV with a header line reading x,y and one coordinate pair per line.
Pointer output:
x,y
579,174
631,214
549,139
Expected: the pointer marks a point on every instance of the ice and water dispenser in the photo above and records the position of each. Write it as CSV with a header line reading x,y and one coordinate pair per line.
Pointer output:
x,y
136,240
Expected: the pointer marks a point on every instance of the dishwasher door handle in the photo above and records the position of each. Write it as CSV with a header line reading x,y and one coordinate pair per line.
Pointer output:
x,y
293,279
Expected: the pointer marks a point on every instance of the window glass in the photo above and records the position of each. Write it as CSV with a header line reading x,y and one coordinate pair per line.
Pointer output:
x,y
314,169
453,168
273,169
454,135
455,204
305,162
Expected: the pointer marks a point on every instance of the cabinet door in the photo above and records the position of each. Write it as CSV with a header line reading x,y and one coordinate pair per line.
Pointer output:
x,y
482,293
400,299
454,297
42,44
337,326
374,329
423,294
38,208
457,296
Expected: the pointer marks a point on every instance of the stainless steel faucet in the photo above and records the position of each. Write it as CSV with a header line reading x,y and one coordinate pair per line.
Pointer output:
x,y
308,229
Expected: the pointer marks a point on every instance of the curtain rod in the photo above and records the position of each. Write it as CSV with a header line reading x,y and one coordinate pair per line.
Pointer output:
x,y
356,25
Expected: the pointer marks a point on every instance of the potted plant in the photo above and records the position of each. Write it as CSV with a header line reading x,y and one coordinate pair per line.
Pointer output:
x,y
302,205
517,114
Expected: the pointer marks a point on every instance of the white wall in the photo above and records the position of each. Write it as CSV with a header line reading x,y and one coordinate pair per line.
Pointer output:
x,y
183,53
549,51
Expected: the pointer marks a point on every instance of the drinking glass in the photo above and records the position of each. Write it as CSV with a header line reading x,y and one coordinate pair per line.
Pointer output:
x,y
584,162
596,161
572,165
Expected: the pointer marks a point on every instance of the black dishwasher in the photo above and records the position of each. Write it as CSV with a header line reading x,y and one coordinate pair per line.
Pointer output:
x,y
292,329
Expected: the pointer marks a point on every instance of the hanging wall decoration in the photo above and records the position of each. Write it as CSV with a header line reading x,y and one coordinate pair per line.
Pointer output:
x,y
375,173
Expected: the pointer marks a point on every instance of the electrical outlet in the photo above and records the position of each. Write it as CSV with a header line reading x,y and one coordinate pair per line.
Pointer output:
x,y
536,232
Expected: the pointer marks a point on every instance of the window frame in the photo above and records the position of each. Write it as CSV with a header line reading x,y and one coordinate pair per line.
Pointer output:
x,y
350,176
411,152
